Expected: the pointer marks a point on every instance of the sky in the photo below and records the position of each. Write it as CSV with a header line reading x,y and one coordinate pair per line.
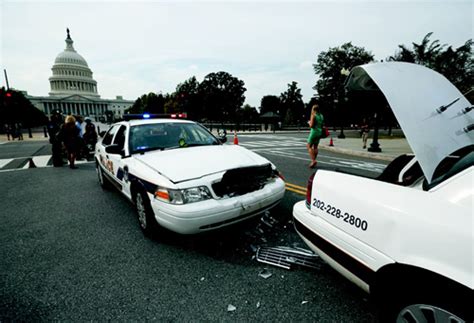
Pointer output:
x,y
140,47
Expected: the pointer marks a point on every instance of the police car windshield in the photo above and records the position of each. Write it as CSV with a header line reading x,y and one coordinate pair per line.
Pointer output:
x,y
161,136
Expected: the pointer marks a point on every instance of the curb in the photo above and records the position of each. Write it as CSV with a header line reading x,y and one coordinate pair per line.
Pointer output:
x,y
358,153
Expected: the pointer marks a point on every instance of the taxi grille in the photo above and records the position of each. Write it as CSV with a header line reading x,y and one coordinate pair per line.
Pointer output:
x,y
244,180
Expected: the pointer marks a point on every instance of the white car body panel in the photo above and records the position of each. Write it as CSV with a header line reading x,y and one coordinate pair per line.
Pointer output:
x,y
415,93
393,227
184,164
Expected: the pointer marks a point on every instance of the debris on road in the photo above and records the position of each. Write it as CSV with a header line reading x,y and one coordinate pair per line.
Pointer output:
x,y
202,279
265,274
304,302
258,304
286,257
231,308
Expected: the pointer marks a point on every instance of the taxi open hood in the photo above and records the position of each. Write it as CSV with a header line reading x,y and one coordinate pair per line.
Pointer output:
x,y
427,106
183,164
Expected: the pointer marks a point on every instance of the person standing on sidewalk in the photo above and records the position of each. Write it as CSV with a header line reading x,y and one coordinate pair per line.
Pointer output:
x,y
364,130
315,122
69,135
54,126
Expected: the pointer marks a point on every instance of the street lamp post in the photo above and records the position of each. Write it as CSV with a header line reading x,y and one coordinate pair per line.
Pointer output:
x,y
374,146
344,72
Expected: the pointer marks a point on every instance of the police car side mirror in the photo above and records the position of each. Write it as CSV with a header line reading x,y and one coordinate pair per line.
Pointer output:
x,y
114,150
222,135
101,134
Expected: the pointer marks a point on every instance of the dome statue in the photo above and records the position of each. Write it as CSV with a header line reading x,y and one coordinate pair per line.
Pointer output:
x,y
71,74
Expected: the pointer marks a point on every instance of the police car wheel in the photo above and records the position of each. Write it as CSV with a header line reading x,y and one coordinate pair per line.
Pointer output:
x,y
426,313
145,216
104,183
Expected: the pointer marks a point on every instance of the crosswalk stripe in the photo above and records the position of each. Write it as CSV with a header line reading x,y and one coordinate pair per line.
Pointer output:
x,y
41,161
4,162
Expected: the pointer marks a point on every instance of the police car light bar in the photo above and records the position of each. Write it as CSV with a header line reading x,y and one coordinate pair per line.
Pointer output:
x,y
127,117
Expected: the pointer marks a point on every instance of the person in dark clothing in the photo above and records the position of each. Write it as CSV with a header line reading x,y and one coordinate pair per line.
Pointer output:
x,y
54,125
69,135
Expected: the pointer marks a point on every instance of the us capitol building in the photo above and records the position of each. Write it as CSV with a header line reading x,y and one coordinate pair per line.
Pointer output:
x,y
74,91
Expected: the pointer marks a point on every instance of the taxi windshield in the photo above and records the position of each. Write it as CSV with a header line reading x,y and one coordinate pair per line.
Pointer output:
x,y
161,136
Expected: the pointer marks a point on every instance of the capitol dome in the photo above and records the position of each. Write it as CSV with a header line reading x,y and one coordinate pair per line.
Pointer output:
x,y
71,74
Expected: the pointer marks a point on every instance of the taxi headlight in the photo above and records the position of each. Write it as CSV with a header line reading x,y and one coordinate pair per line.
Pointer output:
x,y
189,195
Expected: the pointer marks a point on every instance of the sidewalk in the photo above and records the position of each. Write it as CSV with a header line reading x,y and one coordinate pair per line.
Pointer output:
x,y
391,147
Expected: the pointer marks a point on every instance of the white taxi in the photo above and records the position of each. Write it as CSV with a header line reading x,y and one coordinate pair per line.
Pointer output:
x,y
183,178
407,236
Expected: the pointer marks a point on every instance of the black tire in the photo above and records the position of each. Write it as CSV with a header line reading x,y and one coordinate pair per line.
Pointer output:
x,y
103,181
425,304
145,216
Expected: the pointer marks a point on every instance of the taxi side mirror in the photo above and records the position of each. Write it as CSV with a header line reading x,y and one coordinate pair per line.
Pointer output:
x,y
114,150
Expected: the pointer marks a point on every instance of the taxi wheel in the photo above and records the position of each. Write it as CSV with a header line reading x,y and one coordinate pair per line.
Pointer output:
x,y
103,181
145,216
426,313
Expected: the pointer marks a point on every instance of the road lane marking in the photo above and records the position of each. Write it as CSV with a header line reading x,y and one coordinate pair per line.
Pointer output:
x,y
4,162
41,161
296,189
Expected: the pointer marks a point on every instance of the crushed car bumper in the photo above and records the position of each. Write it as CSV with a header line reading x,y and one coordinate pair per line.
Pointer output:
x,y
216,213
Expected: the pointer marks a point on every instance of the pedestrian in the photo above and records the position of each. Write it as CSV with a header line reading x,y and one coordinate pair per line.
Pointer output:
x,y
364,130
69,135
315,122
54,126
8,131
18,132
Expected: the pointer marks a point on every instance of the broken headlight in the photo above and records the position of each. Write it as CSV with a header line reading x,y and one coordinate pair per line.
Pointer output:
x,y
184,196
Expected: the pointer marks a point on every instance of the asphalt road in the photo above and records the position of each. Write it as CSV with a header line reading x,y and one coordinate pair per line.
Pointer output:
x,y
72,251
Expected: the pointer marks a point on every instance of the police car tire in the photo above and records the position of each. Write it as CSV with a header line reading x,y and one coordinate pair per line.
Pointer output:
x,y
145,216
103,181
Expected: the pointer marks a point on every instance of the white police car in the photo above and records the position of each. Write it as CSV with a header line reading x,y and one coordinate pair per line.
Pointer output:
x,y
181,177
407,236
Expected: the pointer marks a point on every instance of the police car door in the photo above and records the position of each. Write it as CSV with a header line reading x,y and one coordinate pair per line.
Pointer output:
x,y
115,160
103,156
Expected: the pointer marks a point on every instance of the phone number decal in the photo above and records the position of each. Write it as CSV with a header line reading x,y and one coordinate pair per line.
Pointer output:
x,y
344,216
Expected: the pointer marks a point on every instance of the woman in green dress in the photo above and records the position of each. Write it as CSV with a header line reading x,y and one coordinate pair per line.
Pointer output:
x,y
316,124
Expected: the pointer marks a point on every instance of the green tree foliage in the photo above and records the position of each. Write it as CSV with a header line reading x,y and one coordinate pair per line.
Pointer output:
x,y
222,96
330,85
15,107
188,99
248,114
151,103
270,103
292,106
457,65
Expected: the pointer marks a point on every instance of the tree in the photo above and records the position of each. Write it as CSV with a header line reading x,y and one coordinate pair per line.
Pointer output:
x,y
292,106
15,107
222,95
248,114
151,103
270,103
188,98
329,67
457,65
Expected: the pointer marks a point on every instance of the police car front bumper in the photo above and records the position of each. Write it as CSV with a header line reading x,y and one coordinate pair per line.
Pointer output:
x,y
217,213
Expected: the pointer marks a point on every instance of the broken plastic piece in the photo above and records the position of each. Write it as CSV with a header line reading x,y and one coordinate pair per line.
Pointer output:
x,y
231,308
258,304
265,274
286,257
304,302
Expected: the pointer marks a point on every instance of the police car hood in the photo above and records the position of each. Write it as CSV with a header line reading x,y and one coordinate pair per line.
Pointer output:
x,y
417,96
182,164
